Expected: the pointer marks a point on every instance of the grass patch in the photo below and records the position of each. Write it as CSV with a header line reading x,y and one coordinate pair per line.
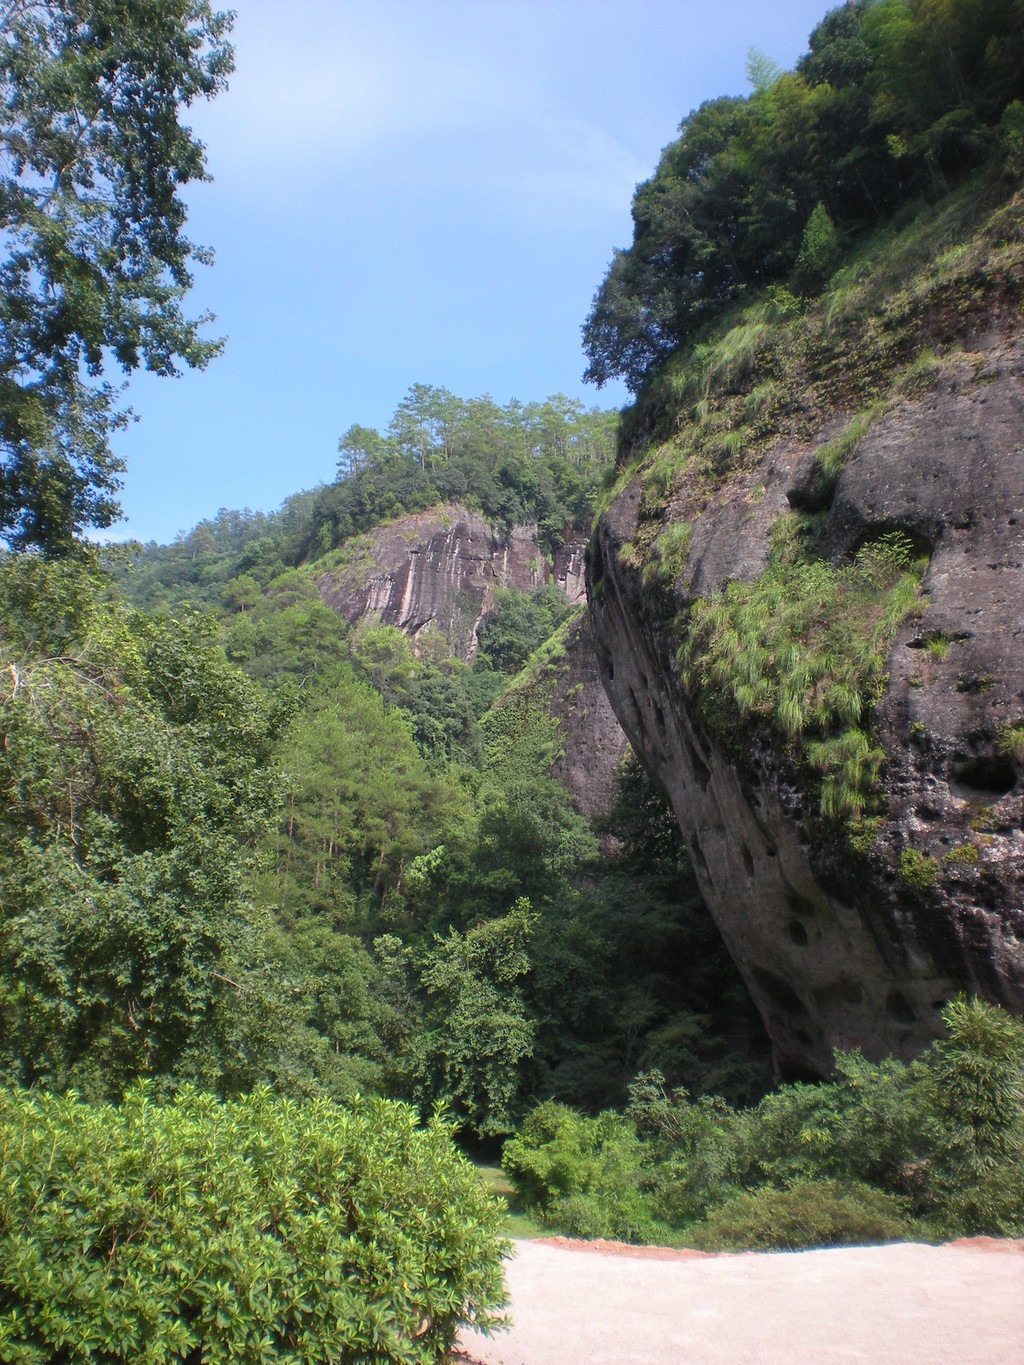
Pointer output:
x,y
803,650
1011,740
667,557
830,458
516,1223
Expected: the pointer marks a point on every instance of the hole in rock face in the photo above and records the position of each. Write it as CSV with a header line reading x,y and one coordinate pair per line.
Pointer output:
x,y
936,639
797,933
990,776
700,861
800,905
638,717
605,661
918,537
843,991
659,716
700,769
898,1007
796,1069
780,992
596,563
748,860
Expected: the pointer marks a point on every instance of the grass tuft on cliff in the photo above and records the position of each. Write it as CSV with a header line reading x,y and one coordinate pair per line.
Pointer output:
x,y
803,649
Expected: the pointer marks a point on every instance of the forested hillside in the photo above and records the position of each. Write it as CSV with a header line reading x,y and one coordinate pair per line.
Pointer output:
x,y
526,462
430,917
893,106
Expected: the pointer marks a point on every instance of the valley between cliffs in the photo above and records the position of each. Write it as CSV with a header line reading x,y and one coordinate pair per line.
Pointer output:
x,y
438,572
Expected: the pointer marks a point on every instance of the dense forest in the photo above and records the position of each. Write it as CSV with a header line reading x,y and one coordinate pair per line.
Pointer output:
x,y
289,873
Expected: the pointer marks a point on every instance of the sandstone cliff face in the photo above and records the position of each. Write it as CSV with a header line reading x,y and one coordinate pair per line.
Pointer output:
x,y
440,567
840,947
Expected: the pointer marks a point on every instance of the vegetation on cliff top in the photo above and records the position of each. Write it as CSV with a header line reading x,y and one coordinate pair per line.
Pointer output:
x,y
896,99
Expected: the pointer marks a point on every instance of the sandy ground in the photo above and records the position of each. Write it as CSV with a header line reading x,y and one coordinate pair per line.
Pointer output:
x,y
905,1304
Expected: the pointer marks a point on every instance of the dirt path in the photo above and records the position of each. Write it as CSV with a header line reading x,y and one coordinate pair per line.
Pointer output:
x,y
905,1304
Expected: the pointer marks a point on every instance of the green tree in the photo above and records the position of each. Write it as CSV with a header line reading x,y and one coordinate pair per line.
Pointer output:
x,y
135,783
358,801
819,249
359,448
92,163
479,1034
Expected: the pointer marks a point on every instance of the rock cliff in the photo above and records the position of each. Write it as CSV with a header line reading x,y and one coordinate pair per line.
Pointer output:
x,y
563,680
853,934
440,568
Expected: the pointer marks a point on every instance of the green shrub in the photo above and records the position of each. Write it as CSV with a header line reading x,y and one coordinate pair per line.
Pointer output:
x,y
930,1147
693,1147
581,1174
811,1213
977,1176
259,1230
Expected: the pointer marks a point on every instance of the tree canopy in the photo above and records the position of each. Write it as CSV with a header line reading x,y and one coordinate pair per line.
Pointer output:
x,y
93,159
895,99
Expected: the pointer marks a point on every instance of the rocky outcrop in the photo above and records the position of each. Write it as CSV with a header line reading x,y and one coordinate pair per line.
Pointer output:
x,y
563,680
845,945
593,743
440,568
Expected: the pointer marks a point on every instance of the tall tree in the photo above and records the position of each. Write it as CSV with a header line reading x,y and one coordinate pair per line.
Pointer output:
x,y
96,265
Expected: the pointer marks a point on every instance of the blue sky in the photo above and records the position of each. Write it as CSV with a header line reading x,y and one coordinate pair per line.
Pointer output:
x,y
405,193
